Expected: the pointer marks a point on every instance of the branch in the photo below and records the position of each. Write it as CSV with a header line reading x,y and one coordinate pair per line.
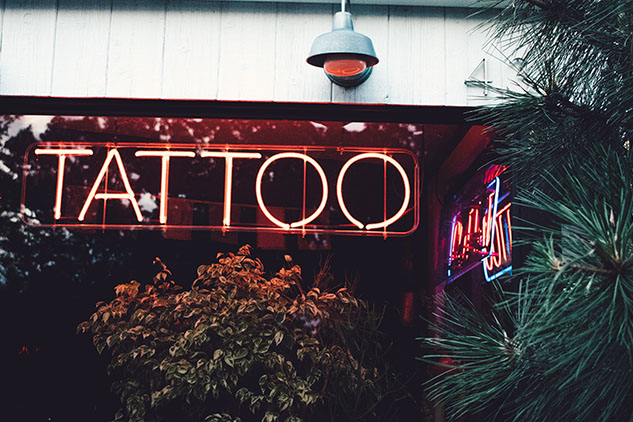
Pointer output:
x,y
592,269
568,107
539,3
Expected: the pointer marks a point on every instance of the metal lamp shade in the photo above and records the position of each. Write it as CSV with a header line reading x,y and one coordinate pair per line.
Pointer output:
x,y
343,41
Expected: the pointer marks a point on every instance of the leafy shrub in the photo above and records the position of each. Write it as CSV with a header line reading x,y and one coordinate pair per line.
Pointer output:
x,y
240,347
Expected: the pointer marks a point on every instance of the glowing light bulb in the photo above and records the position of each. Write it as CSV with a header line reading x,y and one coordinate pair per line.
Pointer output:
x,y
344,65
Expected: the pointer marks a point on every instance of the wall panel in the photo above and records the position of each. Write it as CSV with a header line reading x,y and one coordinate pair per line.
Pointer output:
x,y
81,48
297,26
28,42
247,51
416,61
2,6
135,55
458,67
237,51
192,49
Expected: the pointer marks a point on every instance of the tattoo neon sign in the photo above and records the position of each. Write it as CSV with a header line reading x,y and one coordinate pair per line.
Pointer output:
x,y
481,233
127,177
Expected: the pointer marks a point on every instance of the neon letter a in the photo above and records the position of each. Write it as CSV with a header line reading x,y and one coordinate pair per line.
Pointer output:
x,y
126,183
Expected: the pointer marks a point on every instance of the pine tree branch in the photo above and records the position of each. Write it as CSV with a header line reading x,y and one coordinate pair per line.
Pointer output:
x,y
539,3
592,269
569,108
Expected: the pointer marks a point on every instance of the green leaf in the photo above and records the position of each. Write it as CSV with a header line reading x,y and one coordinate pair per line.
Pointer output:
x,y
242,353
229,360
262,381
270,417
242,394
279,336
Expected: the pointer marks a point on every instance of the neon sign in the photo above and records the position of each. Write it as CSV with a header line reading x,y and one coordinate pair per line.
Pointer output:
x,y
377,191
481,232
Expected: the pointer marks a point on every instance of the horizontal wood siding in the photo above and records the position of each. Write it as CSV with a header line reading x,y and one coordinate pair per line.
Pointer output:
x,y
236,51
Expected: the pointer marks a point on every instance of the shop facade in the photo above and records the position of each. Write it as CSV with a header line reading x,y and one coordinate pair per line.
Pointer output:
x,y
137,129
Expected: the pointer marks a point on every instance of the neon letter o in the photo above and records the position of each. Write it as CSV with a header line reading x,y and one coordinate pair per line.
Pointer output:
x,y
260,200
341,201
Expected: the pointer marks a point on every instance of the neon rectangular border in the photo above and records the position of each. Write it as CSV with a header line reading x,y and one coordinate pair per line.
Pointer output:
x,y
227,147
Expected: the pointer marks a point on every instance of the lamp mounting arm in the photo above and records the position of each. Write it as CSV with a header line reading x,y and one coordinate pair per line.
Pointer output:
x,y
346,6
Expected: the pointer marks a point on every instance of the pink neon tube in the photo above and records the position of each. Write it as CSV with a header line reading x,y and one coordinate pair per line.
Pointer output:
x,y
260,199
341,201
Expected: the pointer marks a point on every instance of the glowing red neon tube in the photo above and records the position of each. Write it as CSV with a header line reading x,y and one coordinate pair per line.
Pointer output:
x,y
62,154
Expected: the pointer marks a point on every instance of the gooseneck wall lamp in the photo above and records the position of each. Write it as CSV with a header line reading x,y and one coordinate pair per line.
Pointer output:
x,y
346,56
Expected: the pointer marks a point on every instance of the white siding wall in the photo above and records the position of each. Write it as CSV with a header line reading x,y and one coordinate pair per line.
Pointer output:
x,y
235,51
